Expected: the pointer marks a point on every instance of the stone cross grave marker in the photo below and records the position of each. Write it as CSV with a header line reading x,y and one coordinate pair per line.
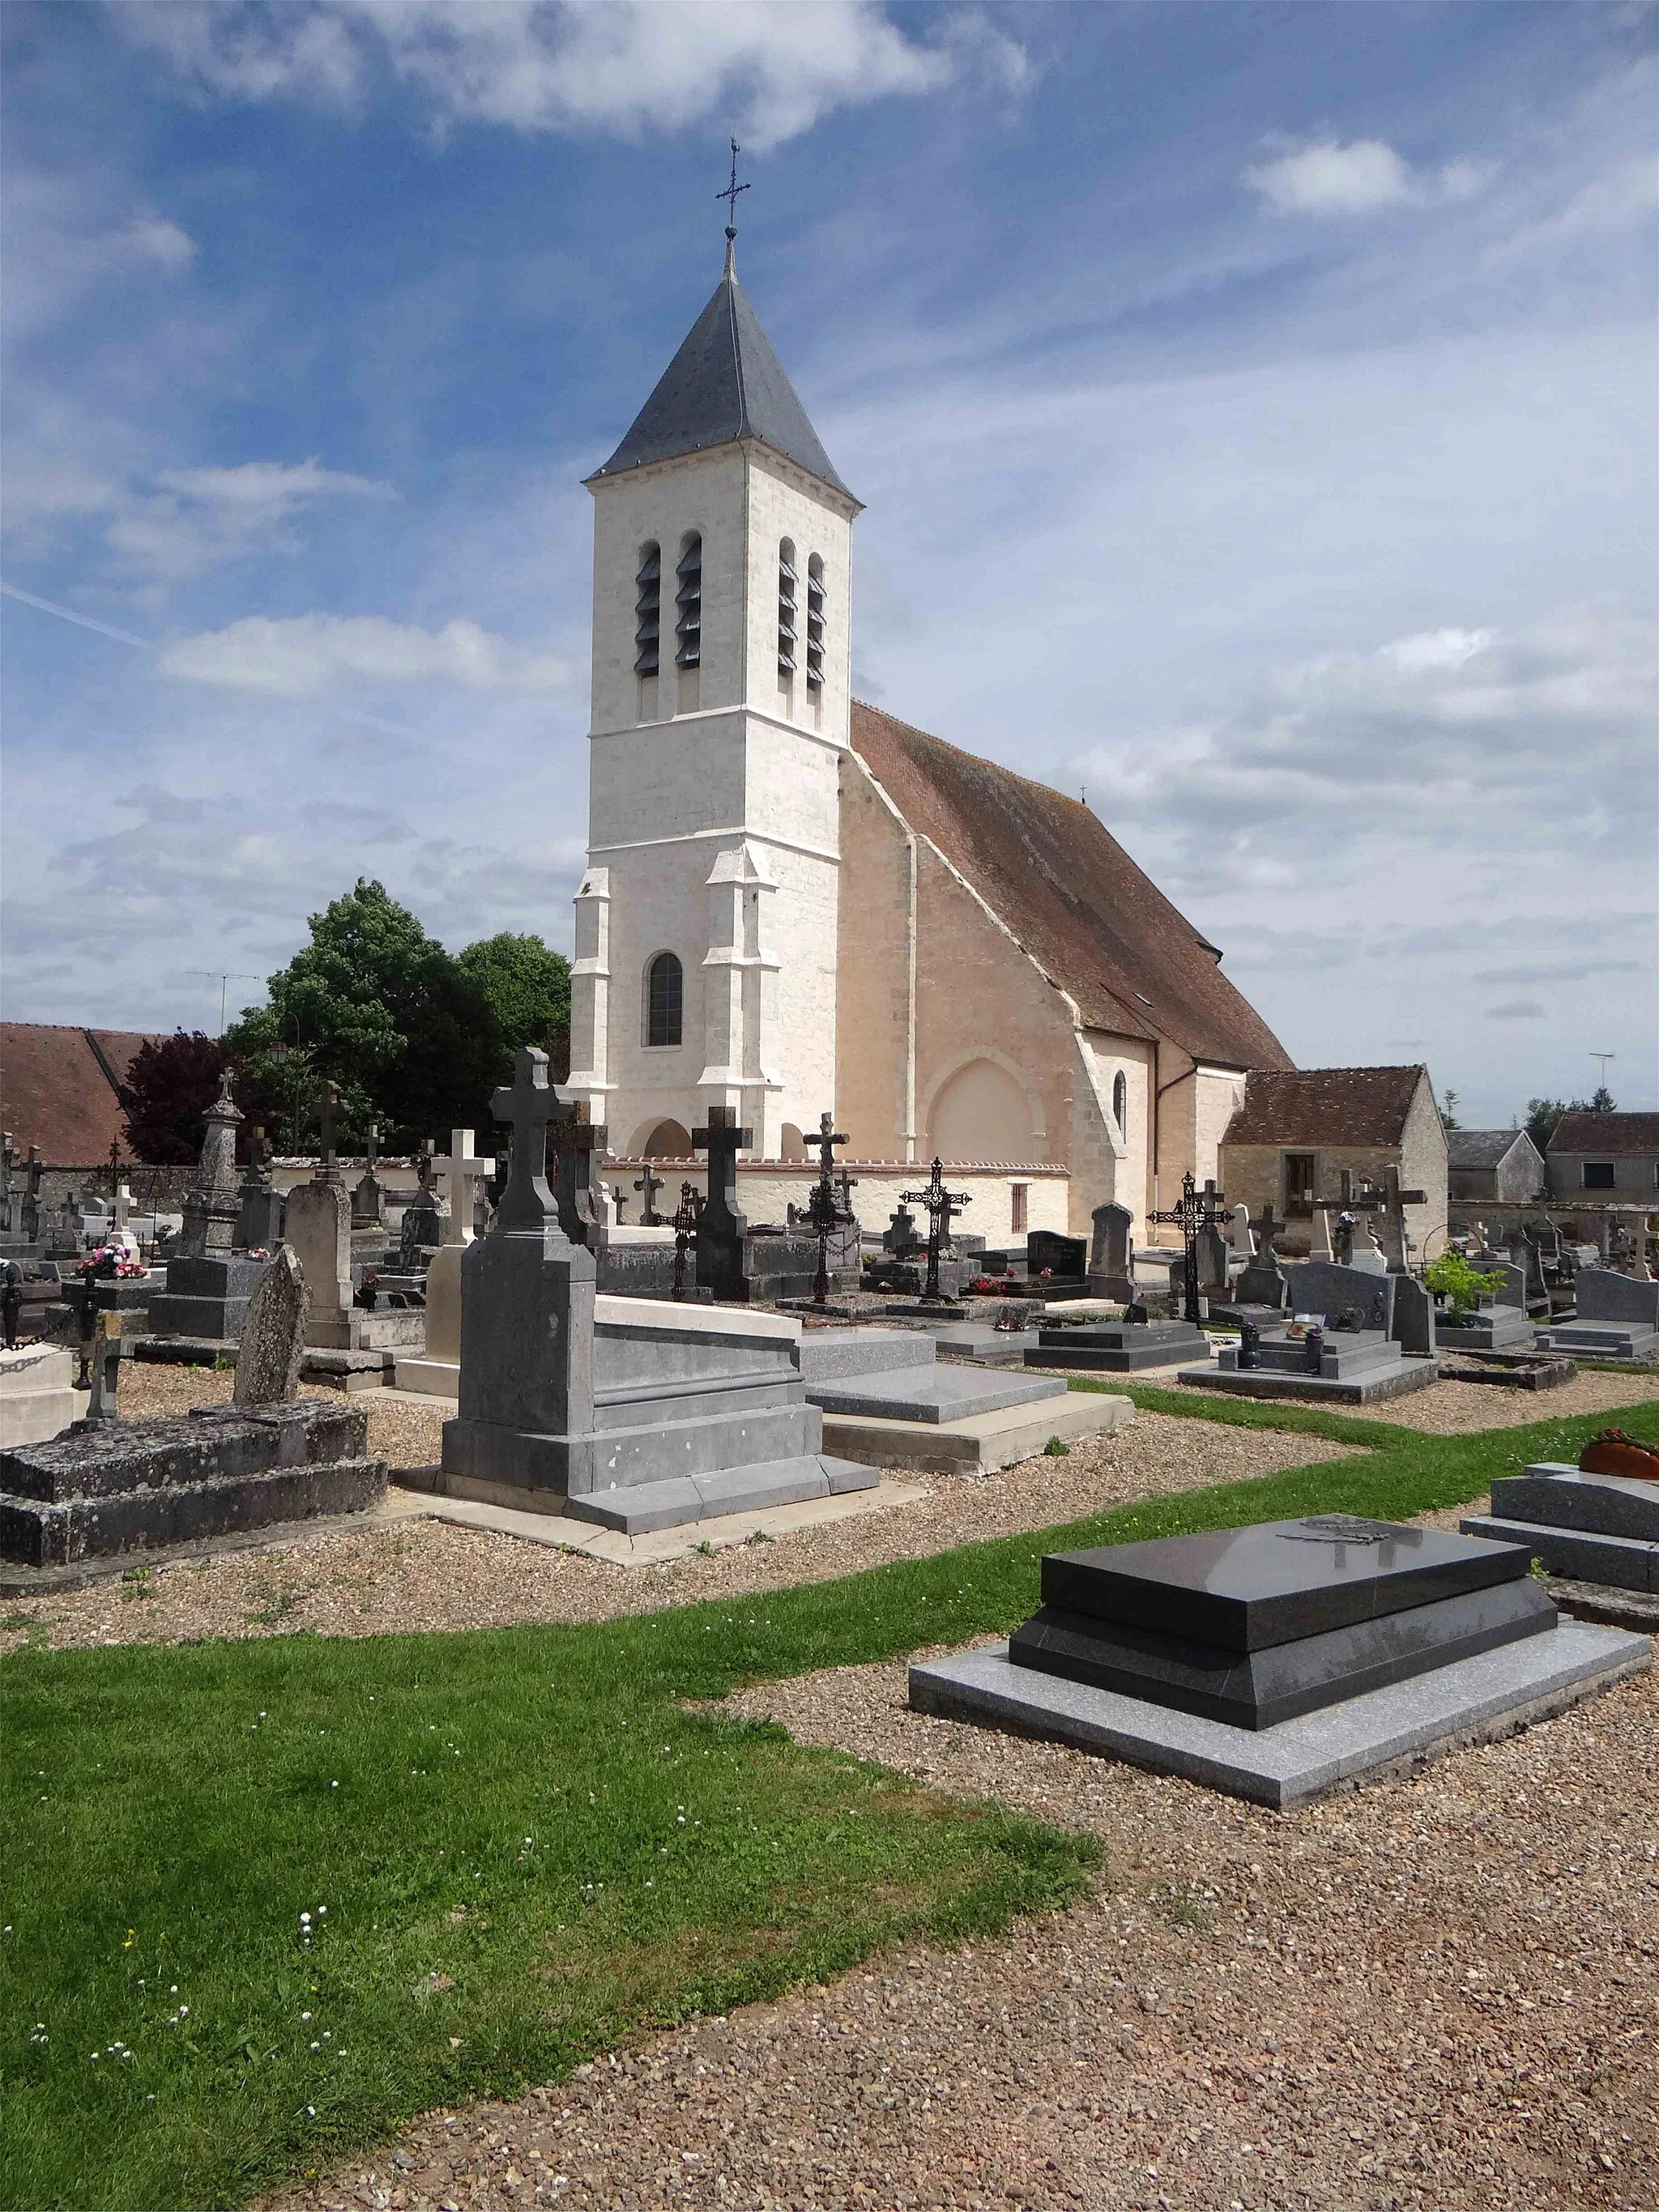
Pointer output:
x,y
460,1170
648,1185
900,1238
8,1155
368,1198
273,1339
943,1207
34,1170
1395,1202
582,1143
529,1106
720,1227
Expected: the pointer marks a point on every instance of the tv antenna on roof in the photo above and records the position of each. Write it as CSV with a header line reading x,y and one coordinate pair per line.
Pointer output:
x,y
1604,1057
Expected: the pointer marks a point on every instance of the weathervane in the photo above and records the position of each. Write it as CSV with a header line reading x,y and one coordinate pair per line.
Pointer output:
x,y
730,195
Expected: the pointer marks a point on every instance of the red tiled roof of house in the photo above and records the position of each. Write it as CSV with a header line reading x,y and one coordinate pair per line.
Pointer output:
x,y
57,1088
1325,1106
1609,1134
1058,879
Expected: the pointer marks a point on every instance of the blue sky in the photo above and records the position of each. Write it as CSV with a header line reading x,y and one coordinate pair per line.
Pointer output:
x,y
1254,408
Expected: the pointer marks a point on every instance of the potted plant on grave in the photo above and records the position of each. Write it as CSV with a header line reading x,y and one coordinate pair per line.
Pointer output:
x,y
1458,1288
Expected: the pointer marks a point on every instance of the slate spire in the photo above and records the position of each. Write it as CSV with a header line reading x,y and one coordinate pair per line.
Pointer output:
x,y
725,383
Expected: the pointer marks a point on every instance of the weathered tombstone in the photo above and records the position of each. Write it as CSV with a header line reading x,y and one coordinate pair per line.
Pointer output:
x,y
34,1170
720,1227
1367,1254
425,1225
318,1228
8,1156
104,1368
578,1190
368,1195
273,1340
1320,1246
901,1237
1414,1317
1111,1261
259,1203
1243,1241
1211,1249
1262,1281
63,1232
211,1208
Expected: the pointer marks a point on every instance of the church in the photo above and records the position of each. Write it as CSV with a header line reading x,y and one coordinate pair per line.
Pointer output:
x,y
794,904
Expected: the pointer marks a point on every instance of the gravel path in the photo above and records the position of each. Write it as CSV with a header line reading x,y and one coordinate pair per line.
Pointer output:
x,y
1439,1995
430,1574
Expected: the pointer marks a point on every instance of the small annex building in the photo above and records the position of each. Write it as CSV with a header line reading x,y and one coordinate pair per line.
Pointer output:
x,y
795,903
1611,1156
1501,1166
1298,1129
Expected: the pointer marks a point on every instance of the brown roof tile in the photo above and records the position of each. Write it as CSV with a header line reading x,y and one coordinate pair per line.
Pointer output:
x,y
56,1091
1055,876
1607,1134
1325,1106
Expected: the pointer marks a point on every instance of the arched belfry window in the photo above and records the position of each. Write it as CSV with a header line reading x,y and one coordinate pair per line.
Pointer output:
x,y
647,609
664,999
1121,1100
786,587
688,628
815,623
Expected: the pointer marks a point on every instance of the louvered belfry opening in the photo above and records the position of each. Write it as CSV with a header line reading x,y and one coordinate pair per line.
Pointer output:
x,y
648,610
689,600
787,584
815,623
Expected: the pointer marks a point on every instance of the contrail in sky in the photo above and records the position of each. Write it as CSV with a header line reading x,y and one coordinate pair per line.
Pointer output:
x,y
149,645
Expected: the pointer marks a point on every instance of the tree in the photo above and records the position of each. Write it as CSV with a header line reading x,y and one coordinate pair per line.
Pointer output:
x,y
1448,1111
376,1006
170,1085
527,983
1545,1115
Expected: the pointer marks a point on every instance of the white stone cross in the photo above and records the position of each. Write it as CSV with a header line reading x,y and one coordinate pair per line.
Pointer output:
x,y
461,1171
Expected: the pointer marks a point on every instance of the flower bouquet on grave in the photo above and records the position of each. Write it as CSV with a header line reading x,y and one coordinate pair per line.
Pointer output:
x,y
110,1260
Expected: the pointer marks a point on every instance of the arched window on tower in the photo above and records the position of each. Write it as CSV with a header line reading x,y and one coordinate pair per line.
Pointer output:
x,y
1121,1102
786,585
665,998
815,623
648,610
688,628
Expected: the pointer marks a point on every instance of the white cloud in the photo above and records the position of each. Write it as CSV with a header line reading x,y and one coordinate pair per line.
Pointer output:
x,y
623,66
304,655
1516,1010
1328,178
1622,199
270,488
70,236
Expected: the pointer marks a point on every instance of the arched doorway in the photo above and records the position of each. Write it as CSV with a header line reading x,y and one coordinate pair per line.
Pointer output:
x,y
664,1140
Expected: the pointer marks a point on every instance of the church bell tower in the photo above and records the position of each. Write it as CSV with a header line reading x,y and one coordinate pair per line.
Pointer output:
x,y
707,918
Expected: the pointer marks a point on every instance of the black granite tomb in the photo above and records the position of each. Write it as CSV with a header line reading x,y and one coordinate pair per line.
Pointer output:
x,y
1119,1347
1254,1626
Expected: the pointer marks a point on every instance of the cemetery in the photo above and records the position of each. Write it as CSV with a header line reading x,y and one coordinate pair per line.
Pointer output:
x,y
851,1549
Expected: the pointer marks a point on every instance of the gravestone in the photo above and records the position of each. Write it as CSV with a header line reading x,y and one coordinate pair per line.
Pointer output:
x,y
259,1203
1047,1252
318,1227
435,1371
34,1170
1414,1317
1605,1295
1262,1282
212,1206
578,1192
37,1393
1319,1286
1320,1246
1590,1528
1242,1240
901,1237
1523,1255
273,1339
104,1366
1366,1253
425,1225
1210,1247
720,1227
1111,1256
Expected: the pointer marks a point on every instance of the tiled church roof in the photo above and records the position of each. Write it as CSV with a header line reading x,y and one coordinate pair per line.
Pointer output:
x,y
1317,1106
57,1088
1062,882
725,383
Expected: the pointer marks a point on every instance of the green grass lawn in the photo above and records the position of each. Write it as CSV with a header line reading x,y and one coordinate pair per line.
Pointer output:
x,y
516,1847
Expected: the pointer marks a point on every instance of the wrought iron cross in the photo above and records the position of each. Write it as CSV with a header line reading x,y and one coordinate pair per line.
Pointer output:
x,y
943,1205
1194,1210
828,1209
685,1232
730,195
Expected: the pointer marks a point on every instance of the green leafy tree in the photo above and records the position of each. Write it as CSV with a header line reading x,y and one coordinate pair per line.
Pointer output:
x,y
382,1009
528,984
1448,1111
171,1083
1453,1278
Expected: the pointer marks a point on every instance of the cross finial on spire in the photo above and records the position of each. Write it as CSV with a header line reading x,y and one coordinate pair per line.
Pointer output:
x,y
730,195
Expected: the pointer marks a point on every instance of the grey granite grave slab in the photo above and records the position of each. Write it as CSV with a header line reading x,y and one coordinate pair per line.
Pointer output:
x,y
1321,1286
644,1508
985,1345
1258,1689
1602,1294
930,1394
1624,1561
1602,1339
1119,1347
826,1353
1493,1328
1563,1496
1470,1701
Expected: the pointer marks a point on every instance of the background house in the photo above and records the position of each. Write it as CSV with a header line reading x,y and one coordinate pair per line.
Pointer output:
x,y
1296,1130
1612,1156
1501,1165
